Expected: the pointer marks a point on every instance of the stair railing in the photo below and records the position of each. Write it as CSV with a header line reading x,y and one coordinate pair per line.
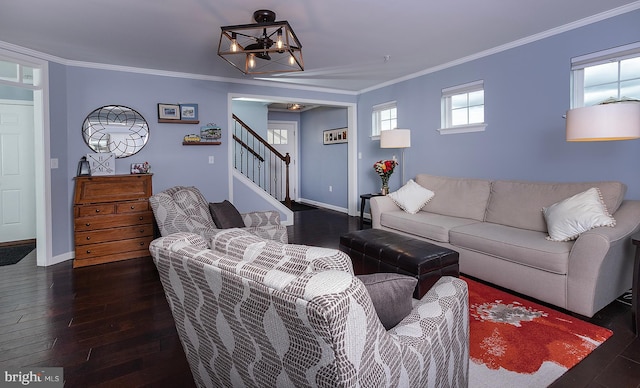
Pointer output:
x,y
256,159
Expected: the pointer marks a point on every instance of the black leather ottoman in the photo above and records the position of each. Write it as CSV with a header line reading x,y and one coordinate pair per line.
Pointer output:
x,y
376,250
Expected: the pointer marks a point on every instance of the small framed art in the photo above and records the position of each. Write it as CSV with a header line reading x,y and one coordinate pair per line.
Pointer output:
x,y
210,132
103,163
334,136
188,111
168,112
140,168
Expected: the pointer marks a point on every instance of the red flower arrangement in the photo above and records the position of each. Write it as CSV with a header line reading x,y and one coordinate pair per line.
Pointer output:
x,y
384,168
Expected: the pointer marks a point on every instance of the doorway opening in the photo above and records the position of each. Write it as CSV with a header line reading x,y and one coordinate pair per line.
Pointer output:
x,y
25,212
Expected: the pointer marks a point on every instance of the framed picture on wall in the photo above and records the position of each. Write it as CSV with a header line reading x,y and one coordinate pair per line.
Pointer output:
x,y
188,111
334,136
168,112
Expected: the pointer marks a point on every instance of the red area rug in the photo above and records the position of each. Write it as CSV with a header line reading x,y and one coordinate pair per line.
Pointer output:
x,y
517,343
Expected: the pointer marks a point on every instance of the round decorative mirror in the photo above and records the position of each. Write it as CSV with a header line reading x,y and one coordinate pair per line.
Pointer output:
x,y
115,128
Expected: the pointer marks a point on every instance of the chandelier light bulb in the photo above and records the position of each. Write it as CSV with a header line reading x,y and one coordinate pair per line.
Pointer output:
x,y
234,42
252,61
279,42
292,60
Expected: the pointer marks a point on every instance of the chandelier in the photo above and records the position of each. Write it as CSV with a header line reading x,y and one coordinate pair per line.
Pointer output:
x,y
264,47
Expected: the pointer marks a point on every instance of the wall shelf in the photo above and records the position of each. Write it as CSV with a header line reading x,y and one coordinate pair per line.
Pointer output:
x,y
168,121
201,143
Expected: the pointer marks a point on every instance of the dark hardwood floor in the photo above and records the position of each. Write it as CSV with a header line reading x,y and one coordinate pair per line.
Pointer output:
x,y
110,325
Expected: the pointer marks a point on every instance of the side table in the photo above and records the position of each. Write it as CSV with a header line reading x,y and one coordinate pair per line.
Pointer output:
x,y
635,290
363,200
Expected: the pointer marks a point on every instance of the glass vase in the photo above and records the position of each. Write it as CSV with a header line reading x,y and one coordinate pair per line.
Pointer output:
x,y
385,185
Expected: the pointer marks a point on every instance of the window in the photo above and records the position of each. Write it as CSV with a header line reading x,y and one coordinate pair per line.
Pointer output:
x,y
15,72
277,136
613,73
384,117
463,108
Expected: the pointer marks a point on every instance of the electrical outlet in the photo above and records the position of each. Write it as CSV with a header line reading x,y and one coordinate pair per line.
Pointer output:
x,y
211,159
54,163
330,188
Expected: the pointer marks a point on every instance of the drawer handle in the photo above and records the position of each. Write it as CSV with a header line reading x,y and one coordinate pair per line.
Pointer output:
x,y
141,218
141,244
88,237
88,251
97,210
141,230
87,224
132,207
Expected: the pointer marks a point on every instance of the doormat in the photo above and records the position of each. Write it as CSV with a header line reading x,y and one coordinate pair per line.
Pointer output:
x,y
13,254
518,343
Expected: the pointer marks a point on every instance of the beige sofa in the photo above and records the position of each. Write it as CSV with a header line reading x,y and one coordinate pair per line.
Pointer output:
x,y
500,232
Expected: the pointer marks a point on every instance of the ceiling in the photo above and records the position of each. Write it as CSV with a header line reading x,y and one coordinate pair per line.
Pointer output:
x,y
351,45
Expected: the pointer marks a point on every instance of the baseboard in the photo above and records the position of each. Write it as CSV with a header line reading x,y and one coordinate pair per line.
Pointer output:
x,y
60,258
323,205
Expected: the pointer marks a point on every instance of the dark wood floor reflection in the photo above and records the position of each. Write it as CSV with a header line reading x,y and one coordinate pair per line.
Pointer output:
x,y
110,325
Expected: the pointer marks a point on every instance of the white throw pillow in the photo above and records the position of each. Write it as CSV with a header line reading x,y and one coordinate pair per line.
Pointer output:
x,y
567,219
411,197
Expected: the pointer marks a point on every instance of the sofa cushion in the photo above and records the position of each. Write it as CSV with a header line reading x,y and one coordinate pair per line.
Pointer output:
x,y
427,225
411,197
567,219
457,197
225,215
519,204
391,294
522,246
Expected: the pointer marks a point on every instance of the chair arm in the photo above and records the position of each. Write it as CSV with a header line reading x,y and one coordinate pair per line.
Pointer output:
x,y
438,328
378,206
263,218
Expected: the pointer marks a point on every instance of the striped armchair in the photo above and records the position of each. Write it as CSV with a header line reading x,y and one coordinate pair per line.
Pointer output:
x,y
256,313
184,209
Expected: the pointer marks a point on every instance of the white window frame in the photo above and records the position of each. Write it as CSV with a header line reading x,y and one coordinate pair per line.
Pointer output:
x,y
446,115
376,120
276,134
578,64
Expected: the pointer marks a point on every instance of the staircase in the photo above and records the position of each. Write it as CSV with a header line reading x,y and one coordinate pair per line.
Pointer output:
x,y
257,160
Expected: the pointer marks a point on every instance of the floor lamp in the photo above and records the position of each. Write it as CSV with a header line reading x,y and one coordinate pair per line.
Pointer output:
x,y
396,138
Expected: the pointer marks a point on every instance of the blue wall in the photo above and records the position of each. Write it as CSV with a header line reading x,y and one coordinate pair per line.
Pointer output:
x,y
321,165
526,94
76,91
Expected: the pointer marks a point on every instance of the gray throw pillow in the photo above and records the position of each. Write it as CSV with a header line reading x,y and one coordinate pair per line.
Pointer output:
x,y
391,294
225,215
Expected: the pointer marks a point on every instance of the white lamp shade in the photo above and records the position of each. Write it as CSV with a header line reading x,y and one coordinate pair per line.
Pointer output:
x,y
613,121
395,138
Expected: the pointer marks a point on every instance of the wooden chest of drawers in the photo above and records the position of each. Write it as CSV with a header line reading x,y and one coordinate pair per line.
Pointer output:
x,y
112,218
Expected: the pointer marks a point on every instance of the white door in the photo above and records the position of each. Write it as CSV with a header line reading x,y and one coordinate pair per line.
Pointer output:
x,y
17,171
282,135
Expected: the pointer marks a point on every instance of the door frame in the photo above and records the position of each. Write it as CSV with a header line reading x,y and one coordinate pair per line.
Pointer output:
x,y
41,147
353,197
296,171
